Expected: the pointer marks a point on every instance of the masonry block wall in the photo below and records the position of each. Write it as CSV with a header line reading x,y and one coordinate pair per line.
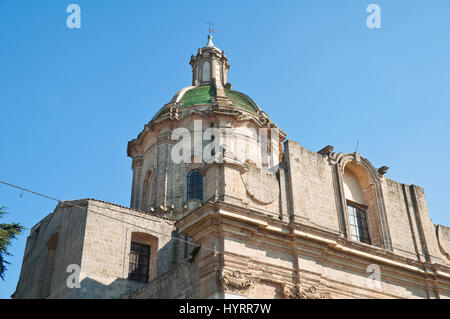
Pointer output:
x,y
68,223
313,197
96,236
311,190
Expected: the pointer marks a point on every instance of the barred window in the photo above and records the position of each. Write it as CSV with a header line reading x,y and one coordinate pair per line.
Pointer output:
x,y
139,262
358,224
195,185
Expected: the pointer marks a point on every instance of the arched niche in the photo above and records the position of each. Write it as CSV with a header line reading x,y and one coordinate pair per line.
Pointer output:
x,y
49,265
361,191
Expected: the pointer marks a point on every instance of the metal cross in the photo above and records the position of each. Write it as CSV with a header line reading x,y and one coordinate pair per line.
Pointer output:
x,y
209,27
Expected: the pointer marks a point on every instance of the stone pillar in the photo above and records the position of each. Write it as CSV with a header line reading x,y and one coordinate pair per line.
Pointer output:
x,y
136,184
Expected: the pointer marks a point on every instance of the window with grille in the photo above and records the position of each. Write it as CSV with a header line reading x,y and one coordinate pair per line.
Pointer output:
x,y
139,262
358,224
195,185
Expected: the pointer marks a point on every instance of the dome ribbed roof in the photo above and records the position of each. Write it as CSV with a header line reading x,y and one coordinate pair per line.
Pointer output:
x,y
198,95
202,95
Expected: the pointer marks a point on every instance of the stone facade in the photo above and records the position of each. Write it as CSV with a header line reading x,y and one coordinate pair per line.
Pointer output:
x,y
273,220
96,236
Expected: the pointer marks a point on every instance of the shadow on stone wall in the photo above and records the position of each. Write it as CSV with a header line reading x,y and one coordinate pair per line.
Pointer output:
x,y
93,289
180,282
173,273
174,252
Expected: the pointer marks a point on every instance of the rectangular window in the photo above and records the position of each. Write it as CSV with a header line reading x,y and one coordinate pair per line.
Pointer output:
x,y
139,262
195,185
358,224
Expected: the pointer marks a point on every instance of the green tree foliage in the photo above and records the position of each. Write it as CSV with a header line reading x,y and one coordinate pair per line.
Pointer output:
x,y
8,232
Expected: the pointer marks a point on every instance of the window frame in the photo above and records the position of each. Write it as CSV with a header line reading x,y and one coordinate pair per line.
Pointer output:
x,y
357,224
199,188
138,262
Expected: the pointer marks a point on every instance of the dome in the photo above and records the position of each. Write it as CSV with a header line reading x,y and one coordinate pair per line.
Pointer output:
x,y
202,95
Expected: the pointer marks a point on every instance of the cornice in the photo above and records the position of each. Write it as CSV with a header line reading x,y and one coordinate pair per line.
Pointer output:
x,y
330,239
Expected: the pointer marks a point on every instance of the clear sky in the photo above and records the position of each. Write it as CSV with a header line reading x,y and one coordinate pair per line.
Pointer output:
x,y
71,99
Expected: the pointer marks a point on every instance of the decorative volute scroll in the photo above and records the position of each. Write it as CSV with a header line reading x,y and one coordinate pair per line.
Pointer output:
x,y
261,184
235,281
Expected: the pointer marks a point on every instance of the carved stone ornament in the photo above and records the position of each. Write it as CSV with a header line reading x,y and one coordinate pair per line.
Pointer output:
x,y
235,281
305,293
313,293
383,170
326,151
173,113
261,184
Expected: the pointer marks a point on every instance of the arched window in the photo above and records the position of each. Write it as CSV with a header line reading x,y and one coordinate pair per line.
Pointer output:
x,y
363,215
206,72
147,199
360,200
49,265
195,185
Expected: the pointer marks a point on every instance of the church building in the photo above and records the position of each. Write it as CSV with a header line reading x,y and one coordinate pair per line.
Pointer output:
x,y
224,206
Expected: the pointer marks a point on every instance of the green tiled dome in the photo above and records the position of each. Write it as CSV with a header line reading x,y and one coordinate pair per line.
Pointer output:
x,y
203,94
242,101
198,95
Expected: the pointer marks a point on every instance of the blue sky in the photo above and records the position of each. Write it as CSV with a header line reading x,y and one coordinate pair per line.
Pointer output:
x,y
71,99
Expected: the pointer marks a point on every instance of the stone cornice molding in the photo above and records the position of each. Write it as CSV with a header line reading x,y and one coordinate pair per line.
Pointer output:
x,y
172,112
330,240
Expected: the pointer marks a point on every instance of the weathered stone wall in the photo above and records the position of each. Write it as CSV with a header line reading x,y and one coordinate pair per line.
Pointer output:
x,y
313,197
107,245
311,191
400,219
96,237
265,258
181,282
69,223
